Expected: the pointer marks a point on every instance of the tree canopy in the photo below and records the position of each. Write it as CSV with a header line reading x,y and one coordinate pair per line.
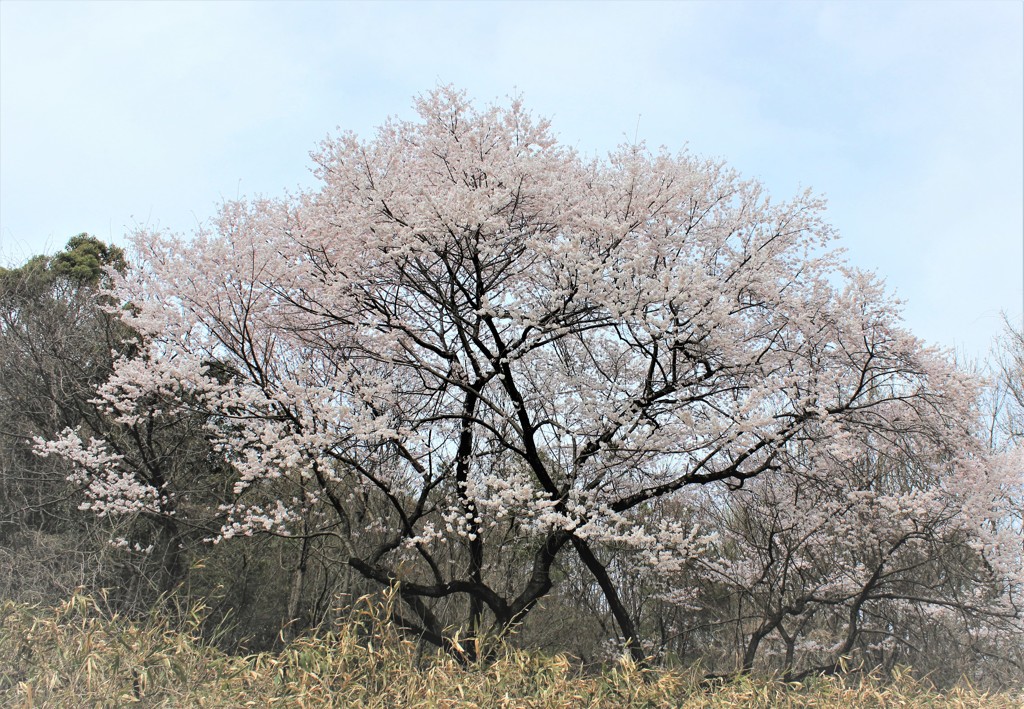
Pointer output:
x,y
481,365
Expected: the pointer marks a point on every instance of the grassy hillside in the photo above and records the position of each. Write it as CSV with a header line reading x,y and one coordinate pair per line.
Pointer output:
x,y
78,656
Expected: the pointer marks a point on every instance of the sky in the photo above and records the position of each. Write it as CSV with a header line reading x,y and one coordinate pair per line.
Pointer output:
x,y
907,116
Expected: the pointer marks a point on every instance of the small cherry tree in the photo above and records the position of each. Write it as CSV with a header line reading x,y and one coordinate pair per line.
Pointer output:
x,y
59,339
879,558
472,345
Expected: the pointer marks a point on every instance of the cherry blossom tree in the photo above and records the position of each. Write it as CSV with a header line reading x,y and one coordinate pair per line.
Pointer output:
x,y
472,351
1005,403
876,559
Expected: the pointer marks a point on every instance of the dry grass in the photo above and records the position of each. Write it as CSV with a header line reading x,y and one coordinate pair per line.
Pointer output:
x,y
78,656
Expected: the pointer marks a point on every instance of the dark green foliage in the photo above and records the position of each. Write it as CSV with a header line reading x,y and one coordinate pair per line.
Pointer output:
x,y
83,262
85,259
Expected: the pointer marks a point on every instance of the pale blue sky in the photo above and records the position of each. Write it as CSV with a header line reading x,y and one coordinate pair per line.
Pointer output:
x,y
909,116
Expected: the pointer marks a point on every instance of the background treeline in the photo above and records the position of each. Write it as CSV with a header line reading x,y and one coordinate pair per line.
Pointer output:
x,y
763,598
60,337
